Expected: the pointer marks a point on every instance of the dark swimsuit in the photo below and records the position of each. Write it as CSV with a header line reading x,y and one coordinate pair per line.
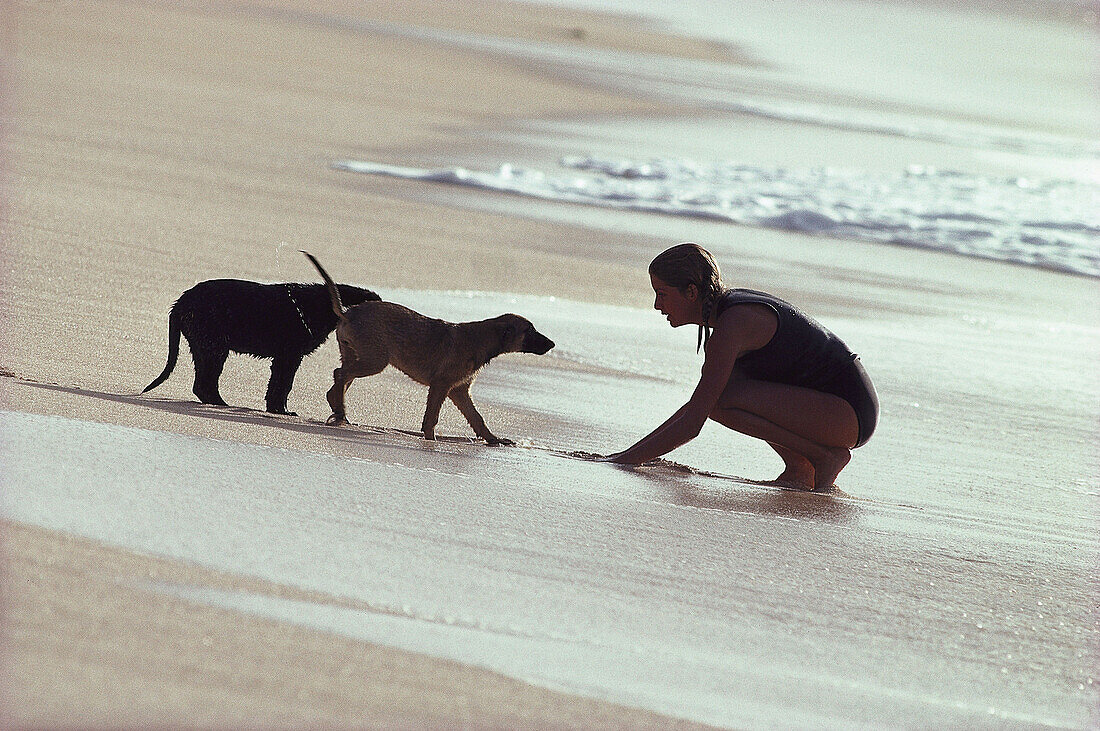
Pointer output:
x,y
805,353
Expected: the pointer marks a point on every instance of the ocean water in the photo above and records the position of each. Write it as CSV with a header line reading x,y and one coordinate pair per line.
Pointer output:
x,y
910,124
1048,223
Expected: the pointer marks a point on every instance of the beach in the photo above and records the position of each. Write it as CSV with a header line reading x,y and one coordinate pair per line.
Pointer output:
x,y
173,563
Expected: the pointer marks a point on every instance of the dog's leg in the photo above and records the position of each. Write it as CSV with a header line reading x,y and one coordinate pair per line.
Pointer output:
x,y
460,395
335,396
436,396
208,369
351,367
283,369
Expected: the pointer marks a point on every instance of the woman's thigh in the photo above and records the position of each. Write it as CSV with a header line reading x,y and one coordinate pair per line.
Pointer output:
x,y
814,415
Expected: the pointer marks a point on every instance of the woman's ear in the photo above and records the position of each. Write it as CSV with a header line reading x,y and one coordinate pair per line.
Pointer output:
x,y
691,292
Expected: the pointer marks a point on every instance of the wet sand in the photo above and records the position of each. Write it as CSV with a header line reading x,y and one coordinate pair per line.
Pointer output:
x,y
88,647
155,145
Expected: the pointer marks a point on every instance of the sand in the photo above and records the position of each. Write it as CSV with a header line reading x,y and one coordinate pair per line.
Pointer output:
x,y
153,145
150,146
91,649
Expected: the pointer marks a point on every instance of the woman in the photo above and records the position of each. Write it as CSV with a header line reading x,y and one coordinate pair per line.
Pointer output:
x,y
771,372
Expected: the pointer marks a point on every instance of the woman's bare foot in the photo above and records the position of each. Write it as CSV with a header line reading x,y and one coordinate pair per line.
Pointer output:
x,y
829,466
798,472
797,477
793,482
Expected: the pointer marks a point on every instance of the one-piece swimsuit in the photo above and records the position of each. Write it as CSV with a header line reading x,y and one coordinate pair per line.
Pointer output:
x,y
805,353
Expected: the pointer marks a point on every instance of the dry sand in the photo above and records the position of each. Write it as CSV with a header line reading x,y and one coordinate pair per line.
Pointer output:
x,y
155,144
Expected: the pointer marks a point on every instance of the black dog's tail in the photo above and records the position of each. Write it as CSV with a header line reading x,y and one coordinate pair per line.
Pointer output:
x,y
333,290
173,349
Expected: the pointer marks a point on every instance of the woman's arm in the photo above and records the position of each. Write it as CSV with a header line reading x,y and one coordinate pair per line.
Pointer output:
x,y
667,432
722,351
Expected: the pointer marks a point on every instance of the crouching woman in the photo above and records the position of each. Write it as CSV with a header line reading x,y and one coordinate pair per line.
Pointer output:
x,y
771,372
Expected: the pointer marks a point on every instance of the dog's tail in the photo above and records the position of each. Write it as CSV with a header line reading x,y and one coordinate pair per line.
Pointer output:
x,y
333,290
173,349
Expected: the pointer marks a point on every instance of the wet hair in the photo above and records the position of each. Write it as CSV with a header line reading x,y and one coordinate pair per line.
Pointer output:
x,y
686,264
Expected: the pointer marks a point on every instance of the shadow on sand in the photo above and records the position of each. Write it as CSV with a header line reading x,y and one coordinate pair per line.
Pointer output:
x,y
702,489
352,434
686,485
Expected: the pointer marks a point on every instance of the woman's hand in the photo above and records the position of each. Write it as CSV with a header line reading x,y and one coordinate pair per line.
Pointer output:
x,y
617,458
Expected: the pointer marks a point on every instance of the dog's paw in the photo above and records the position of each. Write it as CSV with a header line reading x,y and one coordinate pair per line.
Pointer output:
x,y
498,442
336,420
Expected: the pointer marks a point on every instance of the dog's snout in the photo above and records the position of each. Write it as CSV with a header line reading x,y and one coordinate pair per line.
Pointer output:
x,y
537,343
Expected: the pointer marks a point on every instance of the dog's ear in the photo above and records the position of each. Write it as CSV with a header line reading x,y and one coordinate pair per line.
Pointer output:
x,y
508,339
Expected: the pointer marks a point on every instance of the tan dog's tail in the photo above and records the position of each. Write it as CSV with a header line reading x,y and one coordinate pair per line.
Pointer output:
x,y
333,290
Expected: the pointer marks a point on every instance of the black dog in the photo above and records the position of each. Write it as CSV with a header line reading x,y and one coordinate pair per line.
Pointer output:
x,y
284,322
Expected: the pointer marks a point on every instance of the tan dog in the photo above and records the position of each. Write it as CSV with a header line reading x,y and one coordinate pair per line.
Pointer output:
x,y
444,356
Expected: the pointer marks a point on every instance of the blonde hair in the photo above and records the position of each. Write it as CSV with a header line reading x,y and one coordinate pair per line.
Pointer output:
x,y
686,264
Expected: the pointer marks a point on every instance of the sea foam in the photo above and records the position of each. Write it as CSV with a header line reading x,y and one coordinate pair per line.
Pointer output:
x,y
1047,223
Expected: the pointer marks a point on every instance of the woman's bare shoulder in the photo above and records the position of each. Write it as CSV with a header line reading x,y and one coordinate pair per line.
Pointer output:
x,y
752,325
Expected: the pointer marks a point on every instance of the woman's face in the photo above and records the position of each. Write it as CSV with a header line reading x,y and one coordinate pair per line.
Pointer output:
x,y
681,308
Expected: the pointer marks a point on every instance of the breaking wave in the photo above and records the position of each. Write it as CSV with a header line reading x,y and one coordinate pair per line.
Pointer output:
x,y
1046,223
